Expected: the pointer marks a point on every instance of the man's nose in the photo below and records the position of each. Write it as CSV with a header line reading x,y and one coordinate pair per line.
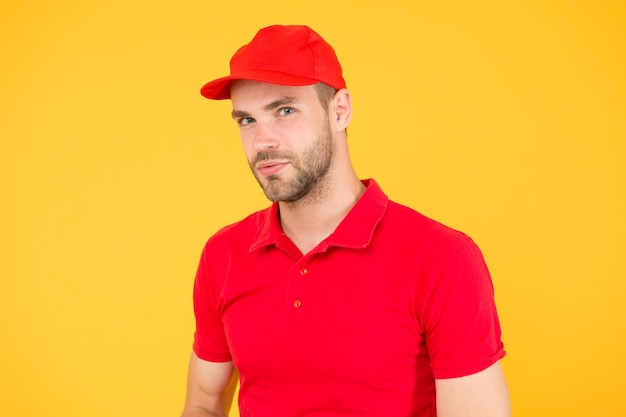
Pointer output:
x,y
264,137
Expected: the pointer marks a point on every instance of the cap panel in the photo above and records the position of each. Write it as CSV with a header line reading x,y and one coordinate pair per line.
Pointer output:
x,y
277,48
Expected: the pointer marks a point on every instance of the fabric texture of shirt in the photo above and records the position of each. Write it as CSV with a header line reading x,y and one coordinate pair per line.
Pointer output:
x,y
361,325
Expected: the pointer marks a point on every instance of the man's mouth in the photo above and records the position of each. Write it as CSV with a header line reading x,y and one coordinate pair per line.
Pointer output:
x,y
267,168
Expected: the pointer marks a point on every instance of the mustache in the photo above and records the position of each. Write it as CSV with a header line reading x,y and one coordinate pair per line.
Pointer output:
x,y
270,155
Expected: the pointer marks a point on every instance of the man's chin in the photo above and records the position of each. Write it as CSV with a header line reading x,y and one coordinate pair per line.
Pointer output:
x,y
272,191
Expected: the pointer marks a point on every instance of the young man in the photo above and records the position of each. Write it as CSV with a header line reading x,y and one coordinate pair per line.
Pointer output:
x,y
334,301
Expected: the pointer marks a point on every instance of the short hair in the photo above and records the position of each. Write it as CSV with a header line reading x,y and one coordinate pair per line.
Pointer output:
x,y
325,93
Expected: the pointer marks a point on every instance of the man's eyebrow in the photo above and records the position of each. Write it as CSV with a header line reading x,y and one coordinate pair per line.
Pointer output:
x,y
284,101
239,114
281,102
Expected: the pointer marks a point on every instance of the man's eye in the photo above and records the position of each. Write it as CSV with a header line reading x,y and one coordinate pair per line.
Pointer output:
x,y
244,121
286,110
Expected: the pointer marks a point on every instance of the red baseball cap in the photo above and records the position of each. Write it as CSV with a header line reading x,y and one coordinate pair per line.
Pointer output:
x,y
284,55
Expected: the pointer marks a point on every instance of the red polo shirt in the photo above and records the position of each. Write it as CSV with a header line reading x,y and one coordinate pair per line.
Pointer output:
x,y
359,326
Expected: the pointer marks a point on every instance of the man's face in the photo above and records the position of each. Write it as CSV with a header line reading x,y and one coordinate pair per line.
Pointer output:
x,y
286,137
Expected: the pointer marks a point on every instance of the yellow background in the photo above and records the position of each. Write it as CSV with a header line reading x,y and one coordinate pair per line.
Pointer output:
x,y
506,120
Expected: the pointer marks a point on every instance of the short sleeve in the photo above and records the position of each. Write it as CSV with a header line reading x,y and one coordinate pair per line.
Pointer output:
x,y
461,326
210,341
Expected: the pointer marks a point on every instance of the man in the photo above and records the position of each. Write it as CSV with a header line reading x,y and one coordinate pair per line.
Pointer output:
x,y
335,301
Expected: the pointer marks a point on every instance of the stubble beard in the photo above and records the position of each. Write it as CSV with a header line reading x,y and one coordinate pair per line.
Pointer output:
x,y
312,168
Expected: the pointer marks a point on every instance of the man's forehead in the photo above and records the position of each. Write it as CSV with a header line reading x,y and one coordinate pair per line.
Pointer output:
x,y
259,94
268,88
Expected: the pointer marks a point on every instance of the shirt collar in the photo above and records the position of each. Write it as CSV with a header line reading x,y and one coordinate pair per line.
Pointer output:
x,y
355,230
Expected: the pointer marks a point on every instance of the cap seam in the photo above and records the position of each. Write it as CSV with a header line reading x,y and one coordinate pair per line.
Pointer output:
x,y
315,60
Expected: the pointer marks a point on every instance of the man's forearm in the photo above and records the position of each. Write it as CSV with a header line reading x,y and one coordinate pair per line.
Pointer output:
x,y
202,412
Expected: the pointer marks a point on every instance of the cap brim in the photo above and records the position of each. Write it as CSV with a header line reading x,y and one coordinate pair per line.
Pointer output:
x,y
220,89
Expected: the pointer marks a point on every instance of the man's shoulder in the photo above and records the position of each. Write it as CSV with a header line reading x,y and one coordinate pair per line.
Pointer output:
x,y
243,230
421,227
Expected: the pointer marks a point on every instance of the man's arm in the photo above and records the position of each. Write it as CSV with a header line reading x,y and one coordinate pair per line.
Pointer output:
x,y
210,388
483,394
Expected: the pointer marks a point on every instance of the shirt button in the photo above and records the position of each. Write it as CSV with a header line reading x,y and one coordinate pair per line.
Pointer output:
x,y
303,272
297,303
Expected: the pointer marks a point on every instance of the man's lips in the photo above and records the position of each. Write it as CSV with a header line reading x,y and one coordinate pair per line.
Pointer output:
x,y
266,168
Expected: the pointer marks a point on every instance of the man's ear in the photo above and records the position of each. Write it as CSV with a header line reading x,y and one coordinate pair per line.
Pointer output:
x,y
341,109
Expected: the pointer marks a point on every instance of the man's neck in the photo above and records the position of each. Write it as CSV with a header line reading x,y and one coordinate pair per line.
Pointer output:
x,y
309,221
